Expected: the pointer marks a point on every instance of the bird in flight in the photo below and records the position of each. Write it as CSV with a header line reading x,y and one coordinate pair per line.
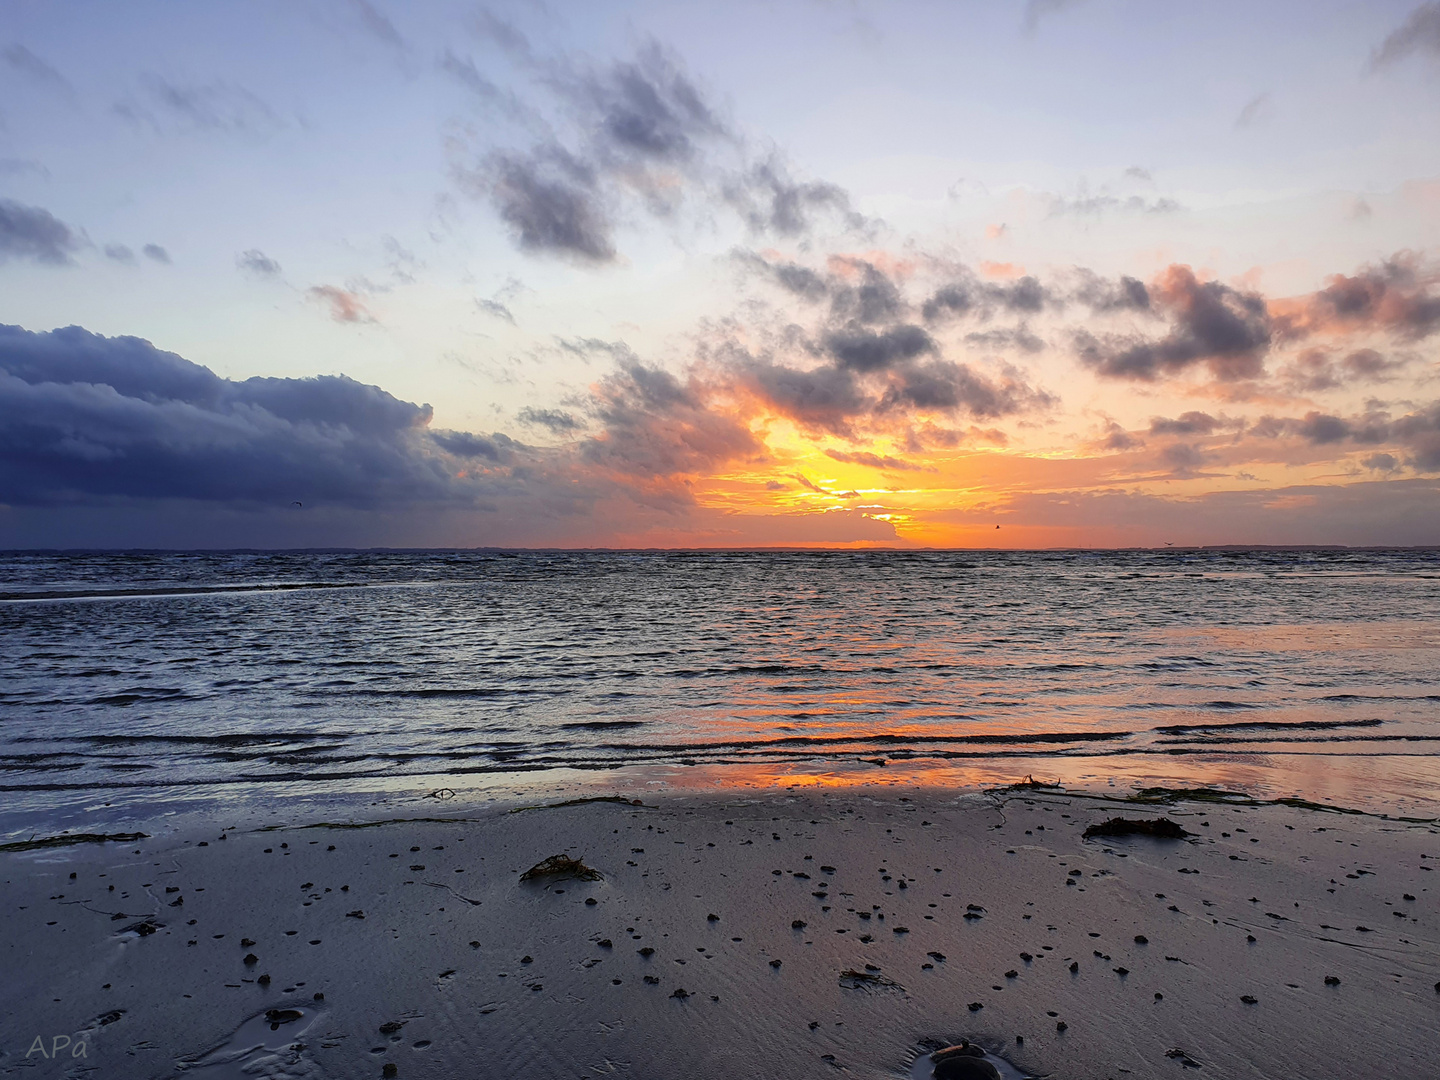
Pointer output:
x,y
297,502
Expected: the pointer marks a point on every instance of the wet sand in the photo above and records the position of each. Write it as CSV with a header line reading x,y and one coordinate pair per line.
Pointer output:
x,y
808,933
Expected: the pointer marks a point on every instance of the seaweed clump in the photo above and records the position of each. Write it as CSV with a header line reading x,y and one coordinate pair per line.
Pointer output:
x,y
1161,828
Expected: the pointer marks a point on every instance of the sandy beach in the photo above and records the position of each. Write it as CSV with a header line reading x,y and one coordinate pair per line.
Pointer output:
x,y
814,932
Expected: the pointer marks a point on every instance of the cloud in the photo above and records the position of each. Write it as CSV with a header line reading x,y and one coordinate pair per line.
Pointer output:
x,y
1419,33
1256,110
1103,295
1381,462
1417,433
156,253
769,200
86,418
20,59
256,262
378,25
876,461
658,428
1315,370
28,232
1190,423
646,109
1398,296
556,421
863,350
551,202
1099,204
1211,323
345,306
215,107
967,295
1038,10
120,253
495,308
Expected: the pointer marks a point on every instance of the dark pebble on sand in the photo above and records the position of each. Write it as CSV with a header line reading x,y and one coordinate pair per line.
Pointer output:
x,y
774,963
1141,939
251,958
1074,966
591,902
1122,971
647,951
680,992
975,1006
1061,1026
390,1069
1249,999
263,980
1334,980
652,980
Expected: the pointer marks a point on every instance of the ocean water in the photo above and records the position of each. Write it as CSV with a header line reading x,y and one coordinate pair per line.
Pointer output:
x,y
140,680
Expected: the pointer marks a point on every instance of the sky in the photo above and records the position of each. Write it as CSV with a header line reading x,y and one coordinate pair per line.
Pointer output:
x,y
956,273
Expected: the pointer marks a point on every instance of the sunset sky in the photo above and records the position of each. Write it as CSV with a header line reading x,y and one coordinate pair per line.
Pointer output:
x,y
949,273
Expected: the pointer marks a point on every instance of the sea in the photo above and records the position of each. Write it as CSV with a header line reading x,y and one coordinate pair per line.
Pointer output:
x,y
136,684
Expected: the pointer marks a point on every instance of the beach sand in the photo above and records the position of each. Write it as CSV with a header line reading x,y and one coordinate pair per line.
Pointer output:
x,y
718,940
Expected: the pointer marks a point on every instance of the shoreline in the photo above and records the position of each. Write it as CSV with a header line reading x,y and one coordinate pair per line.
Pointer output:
x,y
444,926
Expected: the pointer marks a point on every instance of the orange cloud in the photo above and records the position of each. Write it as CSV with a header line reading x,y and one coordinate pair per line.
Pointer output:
x,y
345,306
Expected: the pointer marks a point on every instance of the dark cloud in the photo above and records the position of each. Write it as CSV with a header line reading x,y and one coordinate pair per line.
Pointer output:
x,y
821,399
255,261
86,418
1397,296
550,200
1416,433
769,200
876,461
1315,369
1117,438
20,59
495,308
28,232
1190,423
658,427
966,295
862,350
1419,33
1103,295
497,448
1212,324
1018,337
644,109
156,253
556,421
943,386
345,306
1381,462
120,253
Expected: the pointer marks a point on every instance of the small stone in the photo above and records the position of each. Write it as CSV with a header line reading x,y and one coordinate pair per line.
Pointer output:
x,y
390,1069
1061,1026
797,924
1332,980
591,902
1141,939
774,963
1074,966
647,951
680,992
263,980
1249,999
251,958
246,942
975,1006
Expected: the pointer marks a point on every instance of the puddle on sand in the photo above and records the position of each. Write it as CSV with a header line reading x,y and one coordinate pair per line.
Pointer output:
x,y
261,1047
923,1069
